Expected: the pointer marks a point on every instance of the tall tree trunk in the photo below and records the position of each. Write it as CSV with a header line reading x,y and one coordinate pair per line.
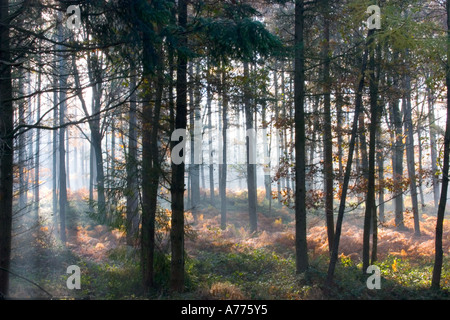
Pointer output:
x,y
55,148
63,74
91,176
277,127
196,135
420,145
37,153
96,81
301,250
283,132
251,166
22,145
6,150
380,164
339,132
266,148
398,152
328,136
96,157
348,168
410,149
433,151
370,210
223,165
177,188
438,258
132,174
210,139
150,163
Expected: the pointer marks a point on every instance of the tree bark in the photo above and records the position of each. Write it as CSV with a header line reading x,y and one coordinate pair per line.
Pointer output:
x,y
277,126
410,150
438,258
195,118
370,210
266,148
328,136
398,153
251,166
37,153
223,165
150,159
348,168
6,149
433,150
132,217
210,143
22,164
62,72
178,186
301,250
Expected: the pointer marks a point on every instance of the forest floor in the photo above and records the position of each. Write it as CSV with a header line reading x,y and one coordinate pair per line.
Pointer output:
x,y
230,263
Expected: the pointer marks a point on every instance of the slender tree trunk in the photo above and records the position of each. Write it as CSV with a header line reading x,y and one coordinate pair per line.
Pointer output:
x,y
420,144
63,72
91,176
22,145
328,136
55,149
433,151
37,153
150,163
301,250
339,132
251,166
67,158
190,167
95,78
195,166
363,147
6,150
380,164
266,148
178,187
438,258
223,165
210,140
283,132
132,174
370,210
410,150
398,153
358,104
96,157
277,126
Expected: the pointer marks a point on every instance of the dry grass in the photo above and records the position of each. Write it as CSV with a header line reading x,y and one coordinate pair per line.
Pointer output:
x,y
279,236
94,242
226,291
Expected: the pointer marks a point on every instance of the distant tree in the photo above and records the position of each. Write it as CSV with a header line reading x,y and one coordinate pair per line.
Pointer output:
x,y
301,249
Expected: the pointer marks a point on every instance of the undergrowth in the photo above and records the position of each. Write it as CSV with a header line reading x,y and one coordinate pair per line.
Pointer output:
x,y
220,264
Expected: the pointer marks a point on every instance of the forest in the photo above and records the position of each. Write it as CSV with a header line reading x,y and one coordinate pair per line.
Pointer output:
x,y
224,150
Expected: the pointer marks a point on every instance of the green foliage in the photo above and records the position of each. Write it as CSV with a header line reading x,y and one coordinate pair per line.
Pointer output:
x,y
244,39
